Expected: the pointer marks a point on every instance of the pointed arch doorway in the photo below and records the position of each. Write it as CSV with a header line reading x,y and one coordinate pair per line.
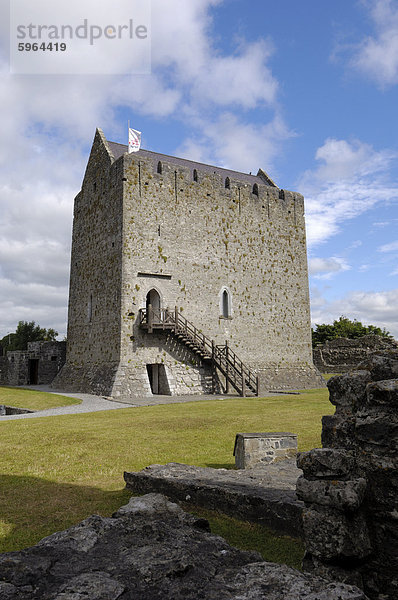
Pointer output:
x,y
153,299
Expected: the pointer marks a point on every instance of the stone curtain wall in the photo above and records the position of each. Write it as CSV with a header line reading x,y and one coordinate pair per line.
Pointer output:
x,y
343,354
14,367
350,485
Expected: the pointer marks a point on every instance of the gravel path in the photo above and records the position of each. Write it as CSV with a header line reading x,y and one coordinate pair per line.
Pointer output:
x,y
91,403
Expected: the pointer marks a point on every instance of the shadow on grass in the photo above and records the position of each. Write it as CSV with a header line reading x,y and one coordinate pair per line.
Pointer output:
x,y
32,508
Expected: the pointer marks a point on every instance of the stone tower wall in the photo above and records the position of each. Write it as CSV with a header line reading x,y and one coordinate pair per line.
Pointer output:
x,y
93,349
141,225
191,240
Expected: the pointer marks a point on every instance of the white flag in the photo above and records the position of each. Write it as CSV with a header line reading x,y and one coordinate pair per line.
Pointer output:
x,y
134,140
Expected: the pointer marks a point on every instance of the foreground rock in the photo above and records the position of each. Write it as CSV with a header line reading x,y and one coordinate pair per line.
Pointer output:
x,y
149,550
350,486
263,494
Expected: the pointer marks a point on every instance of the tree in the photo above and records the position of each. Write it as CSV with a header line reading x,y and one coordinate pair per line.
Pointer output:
x,y
27,332
344,327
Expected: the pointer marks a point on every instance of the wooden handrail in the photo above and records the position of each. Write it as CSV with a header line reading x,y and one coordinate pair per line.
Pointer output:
x,y
221,356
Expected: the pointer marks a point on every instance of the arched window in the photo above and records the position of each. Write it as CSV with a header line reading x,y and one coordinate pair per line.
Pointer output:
x,y
227,183
160,168
225,303
255,189
195,175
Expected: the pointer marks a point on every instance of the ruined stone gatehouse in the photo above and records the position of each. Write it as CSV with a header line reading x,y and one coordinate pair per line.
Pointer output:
x,y
185,276
37,365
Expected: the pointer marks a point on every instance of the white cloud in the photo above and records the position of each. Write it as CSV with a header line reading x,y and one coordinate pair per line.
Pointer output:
x,y
47,124
351,178
371,308
326,268
377,55
392,247
228,142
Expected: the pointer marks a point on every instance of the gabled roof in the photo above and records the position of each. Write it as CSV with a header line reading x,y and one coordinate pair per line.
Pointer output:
x,y
119,149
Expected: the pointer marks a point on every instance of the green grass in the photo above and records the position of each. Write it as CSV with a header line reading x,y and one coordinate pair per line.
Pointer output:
x,y
33,400
250,536
327,376
55,471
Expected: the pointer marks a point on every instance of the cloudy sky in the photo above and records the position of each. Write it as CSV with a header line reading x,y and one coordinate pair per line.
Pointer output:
x,y
306,90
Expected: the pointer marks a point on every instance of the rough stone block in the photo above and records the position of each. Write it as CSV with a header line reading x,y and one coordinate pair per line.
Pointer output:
x,y
152,549
338,431
380,431
343,495
383,394
382,365
347,392
333,536
263,448
326,463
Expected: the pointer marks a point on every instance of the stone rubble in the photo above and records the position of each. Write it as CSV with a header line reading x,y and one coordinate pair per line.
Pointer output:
x,y
152,550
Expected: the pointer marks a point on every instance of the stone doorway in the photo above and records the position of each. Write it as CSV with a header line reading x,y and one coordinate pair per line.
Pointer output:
x,y
153,299
33,371
158,379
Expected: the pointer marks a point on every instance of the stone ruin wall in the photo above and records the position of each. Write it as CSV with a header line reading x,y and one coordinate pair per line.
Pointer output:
x,y
350,486
343,354
14,367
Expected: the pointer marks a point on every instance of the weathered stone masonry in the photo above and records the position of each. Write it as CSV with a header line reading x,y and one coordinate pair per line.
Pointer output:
x,y
350,486
342,354
39,364
226,248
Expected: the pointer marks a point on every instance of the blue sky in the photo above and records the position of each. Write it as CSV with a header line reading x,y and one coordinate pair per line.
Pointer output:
x,y
307,90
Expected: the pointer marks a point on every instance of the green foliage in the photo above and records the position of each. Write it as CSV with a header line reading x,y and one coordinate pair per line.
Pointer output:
x,y
27,332
344,327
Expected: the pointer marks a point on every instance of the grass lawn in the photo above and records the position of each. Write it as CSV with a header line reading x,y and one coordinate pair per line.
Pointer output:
x,y
55,471
33,400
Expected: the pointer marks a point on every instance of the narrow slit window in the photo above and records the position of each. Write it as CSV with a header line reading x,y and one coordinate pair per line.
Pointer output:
x,y
255,189
160,168
195,175
225,304
227,183
90,309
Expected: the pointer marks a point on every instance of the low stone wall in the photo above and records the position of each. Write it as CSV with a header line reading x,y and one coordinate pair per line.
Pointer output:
x,y
253,449
342,354
350,485
151,549
12,410
264,495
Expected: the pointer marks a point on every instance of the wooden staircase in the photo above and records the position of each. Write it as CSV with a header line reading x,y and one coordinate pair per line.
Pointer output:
x,y
220,357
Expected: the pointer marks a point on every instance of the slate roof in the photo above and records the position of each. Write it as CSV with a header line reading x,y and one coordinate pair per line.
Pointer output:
x,y
119,149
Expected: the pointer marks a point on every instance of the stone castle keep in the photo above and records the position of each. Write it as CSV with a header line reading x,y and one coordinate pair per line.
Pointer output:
x,y
178,268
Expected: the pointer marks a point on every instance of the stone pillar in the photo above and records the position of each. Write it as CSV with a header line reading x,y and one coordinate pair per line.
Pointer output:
x,y
350,485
